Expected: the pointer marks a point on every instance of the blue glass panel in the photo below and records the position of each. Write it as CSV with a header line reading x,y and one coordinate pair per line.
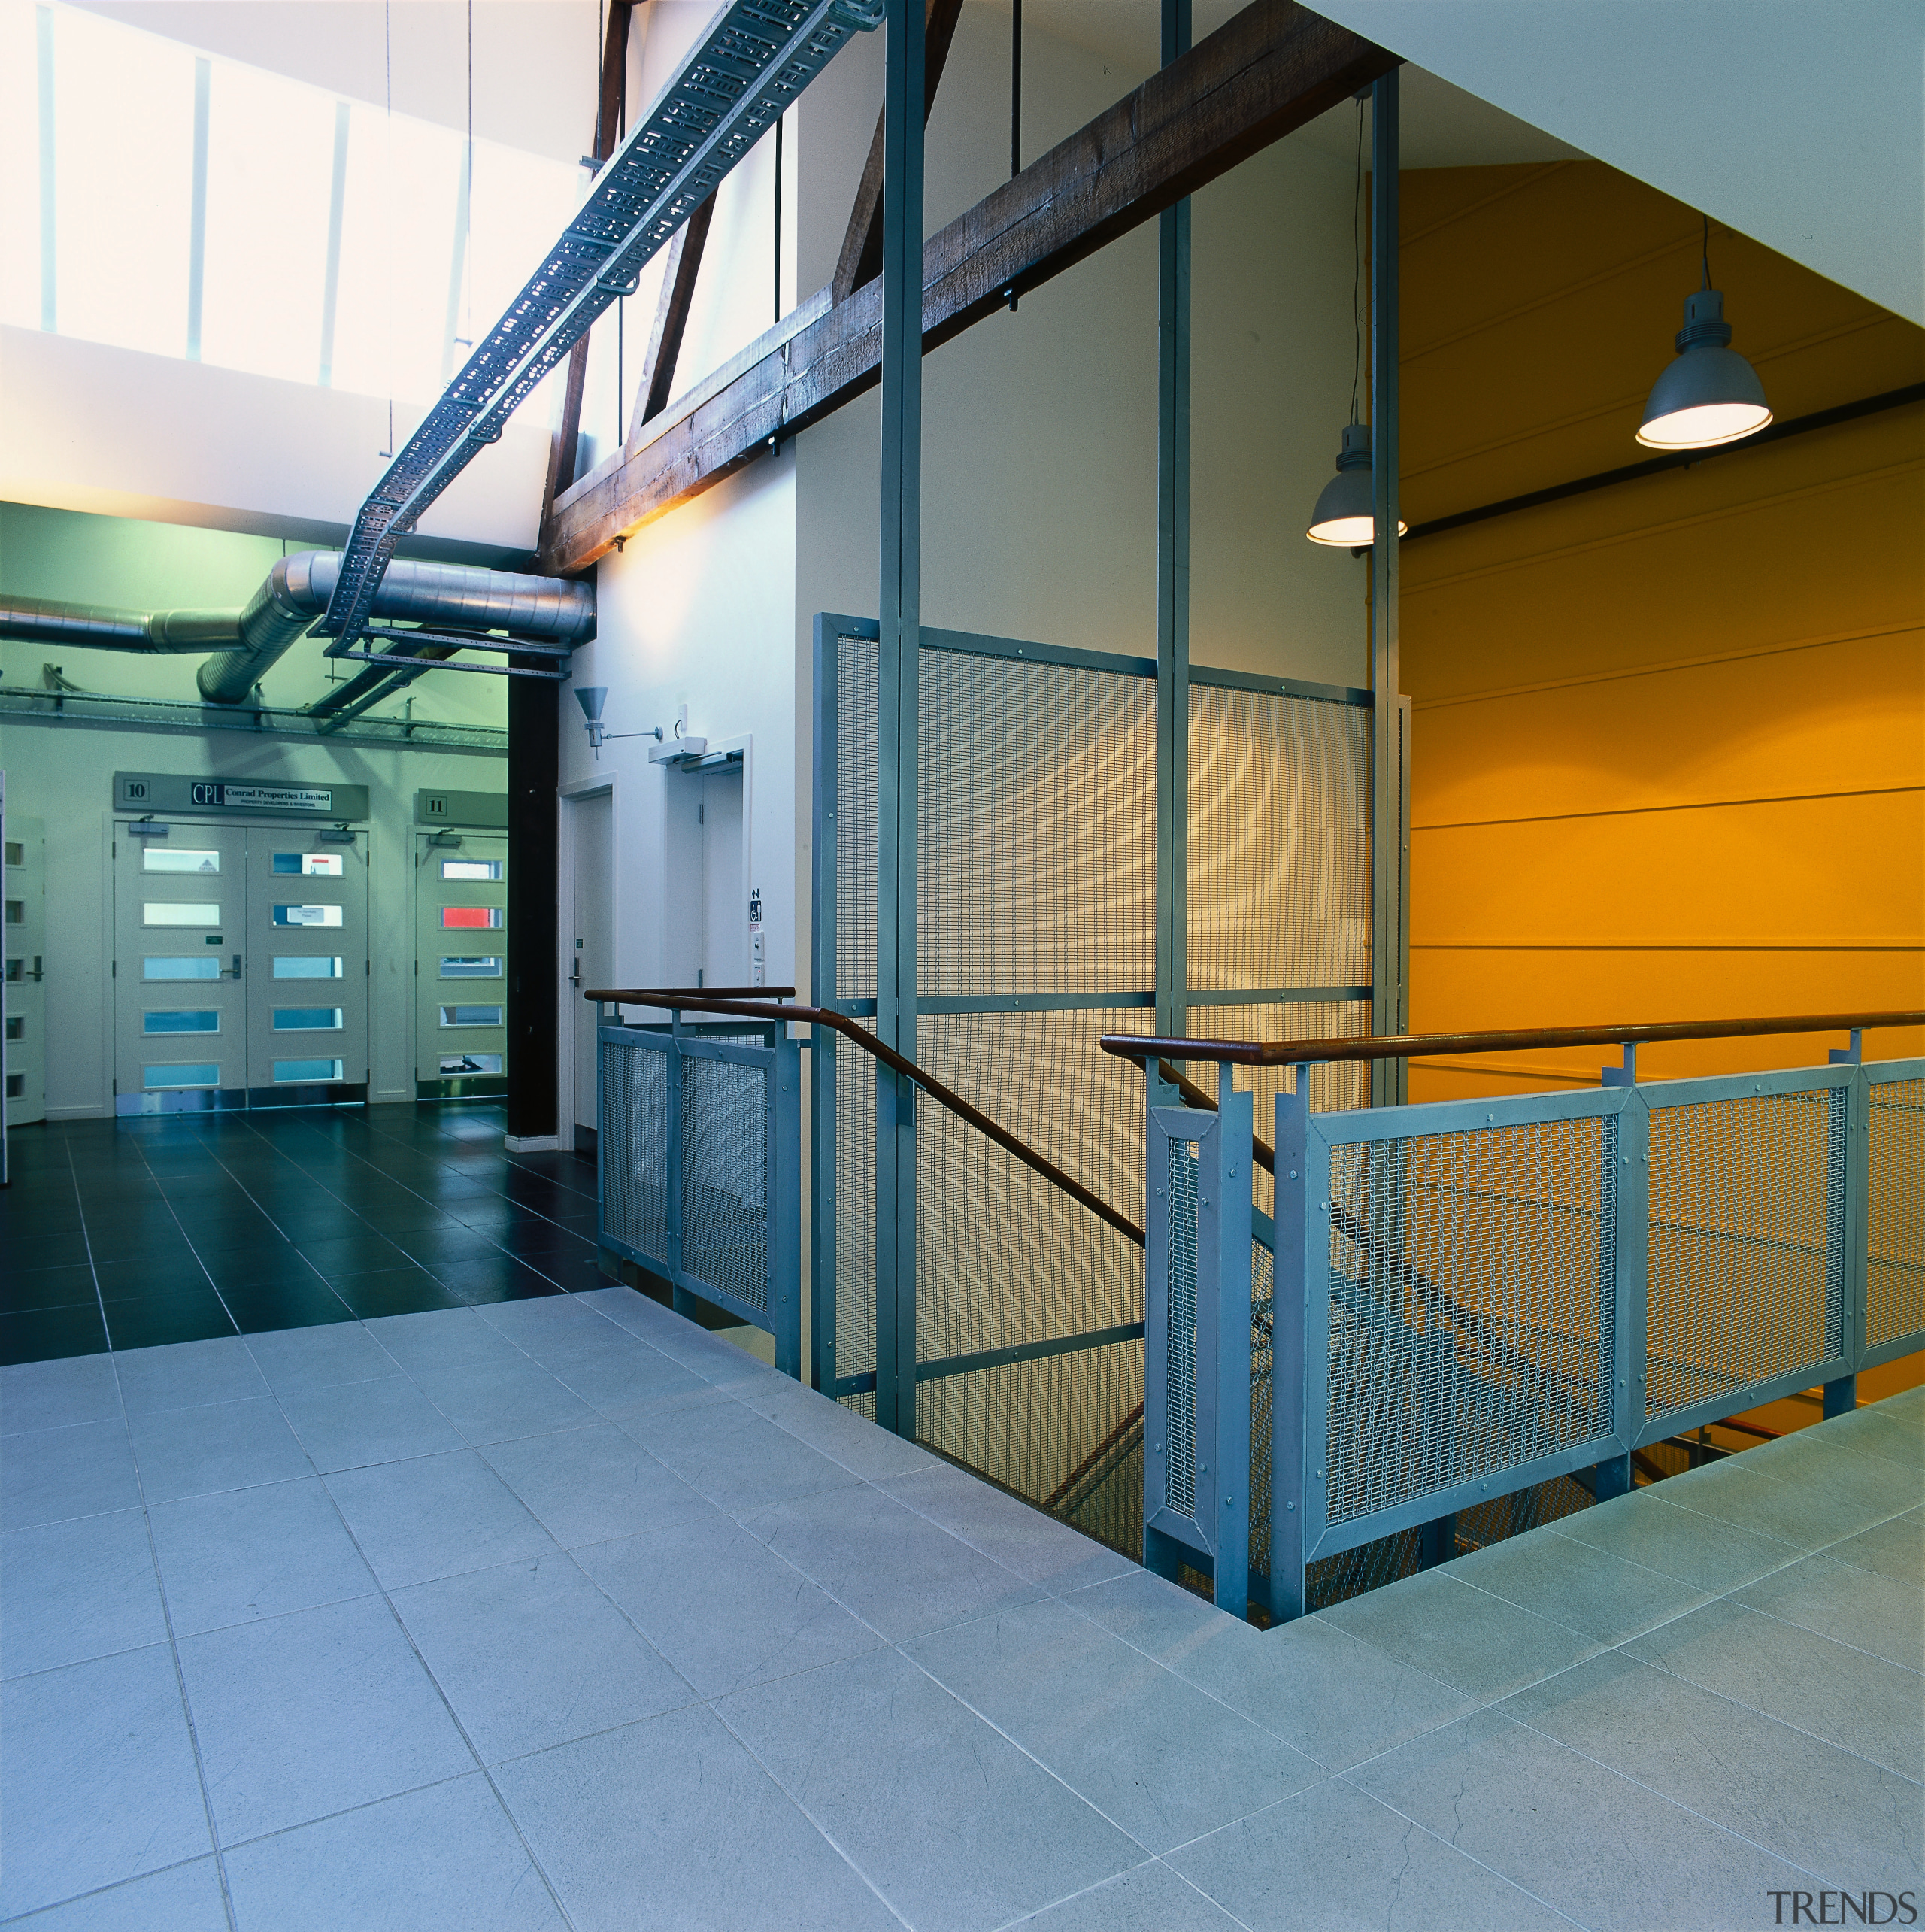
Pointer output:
x,y
202,966
306,1019
303,968
471,968
180,1023
307,1069
471,1016
207,1074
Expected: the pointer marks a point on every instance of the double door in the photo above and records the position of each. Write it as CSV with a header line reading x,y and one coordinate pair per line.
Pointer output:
x,y
24,1057
241,966
461,912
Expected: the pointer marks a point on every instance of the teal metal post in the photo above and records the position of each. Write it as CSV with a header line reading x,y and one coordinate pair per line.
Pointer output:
x,y
898,708
1389,783
1172,591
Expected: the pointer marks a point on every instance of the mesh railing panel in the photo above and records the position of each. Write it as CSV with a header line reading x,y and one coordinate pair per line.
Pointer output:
x,y
1262,1322
1894,1225
1279,841
1746,1242
635,1148
1471,1284
1037,855
856,825
726,1131
1179,1363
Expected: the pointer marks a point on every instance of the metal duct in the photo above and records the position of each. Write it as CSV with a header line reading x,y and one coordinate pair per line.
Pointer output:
x,y
298,588
88,626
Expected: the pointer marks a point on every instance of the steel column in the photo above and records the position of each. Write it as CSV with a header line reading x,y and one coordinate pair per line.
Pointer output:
x,y
1301,1228
1390,790
897,724
1173,584
534,969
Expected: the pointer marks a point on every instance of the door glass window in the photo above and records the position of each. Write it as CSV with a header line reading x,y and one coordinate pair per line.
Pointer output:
x,y
17,853
16,912
287,966
471,1016
470,868
157,1079
471,967
177,859
307,915
485,918
310,865
178,1022
471,1063
203,966
307,1019
306,1069
179,912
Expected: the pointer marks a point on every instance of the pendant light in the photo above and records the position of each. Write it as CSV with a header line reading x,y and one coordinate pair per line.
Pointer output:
x,y
1710,395
1346,514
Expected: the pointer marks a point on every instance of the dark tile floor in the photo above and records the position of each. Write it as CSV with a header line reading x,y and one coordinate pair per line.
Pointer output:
x,y
125,1234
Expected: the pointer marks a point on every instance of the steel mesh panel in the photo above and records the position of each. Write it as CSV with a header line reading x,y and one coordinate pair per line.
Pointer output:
x,y
1262,1322
856,825
1063,1431
1746,1242
1335,1086
635,1153
1895,1258
1279,889
1180,1332
726,1160
1037,849
1471,1304
855,1216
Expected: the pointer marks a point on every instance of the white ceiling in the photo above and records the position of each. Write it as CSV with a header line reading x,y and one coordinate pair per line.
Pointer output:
x,y
1800,123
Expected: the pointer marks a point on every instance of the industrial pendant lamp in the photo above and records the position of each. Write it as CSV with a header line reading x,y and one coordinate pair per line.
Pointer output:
x,y
1710,394
1346,513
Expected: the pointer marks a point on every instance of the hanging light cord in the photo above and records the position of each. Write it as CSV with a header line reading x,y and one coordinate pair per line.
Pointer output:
x,y
1356,269
1706,248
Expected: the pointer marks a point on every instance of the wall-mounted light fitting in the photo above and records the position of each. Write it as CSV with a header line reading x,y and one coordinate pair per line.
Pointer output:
x,y
1710,395
679,749
592,698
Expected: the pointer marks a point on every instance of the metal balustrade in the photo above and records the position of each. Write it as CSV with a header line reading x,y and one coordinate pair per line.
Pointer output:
x,y
699,1146
1472,1299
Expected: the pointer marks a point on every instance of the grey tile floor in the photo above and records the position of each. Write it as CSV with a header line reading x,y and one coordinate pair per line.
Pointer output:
x,y
562,1612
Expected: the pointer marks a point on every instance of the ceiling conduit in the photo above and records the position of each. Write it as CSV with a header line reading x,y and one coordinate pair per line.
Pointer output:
x,y
296,592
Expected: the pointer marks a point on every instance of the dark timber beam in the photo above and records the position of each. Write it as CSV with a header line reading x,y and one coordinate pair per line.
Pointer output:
x,y
861,258
1273,67
564,451
672,320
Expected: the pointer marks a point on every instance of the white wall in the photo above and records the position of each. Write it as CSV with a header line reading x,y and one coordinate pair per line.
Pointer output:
x,y
64,775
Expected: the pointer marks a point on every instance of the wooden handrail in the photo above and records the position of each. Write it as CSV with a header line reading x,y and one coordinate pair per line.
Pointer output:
x,y
1412,1046
771,1011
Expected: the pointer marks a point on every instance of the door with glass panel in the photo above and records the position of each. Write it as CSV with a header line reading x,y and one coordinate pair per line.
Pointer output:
x,y
25,1059
461,898
181,992
307,962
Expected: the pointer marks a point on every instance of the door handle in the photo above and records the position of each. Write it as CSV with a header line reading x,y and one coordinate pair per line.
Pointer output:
x,y
37,973
574,974
236,973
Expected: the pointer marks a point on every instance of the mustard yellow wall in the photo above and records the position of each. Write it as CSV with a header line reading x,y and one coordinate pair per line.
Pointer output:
x,y
1669,737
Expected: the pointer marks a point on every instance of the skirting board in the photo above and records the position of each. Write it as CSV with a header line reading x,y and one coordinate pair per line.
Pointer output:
x,y
532,1143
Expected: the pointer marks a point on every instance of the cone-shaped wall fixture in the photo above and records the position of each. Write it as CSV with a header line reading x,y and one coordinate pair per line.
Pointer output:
x,y
1345,515
1710,394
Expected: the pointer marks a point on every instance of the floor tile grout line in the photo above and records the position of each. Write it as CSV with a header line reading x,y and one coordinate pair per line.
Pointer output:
x,y
1086,1891
408,1637
1791,1624
99,1299
174,1654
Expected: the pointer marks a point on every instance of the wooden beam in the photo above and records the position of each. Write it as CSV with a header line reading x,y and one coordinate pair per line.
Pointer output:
x,y
861,258
564,451
672,321
1273,67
